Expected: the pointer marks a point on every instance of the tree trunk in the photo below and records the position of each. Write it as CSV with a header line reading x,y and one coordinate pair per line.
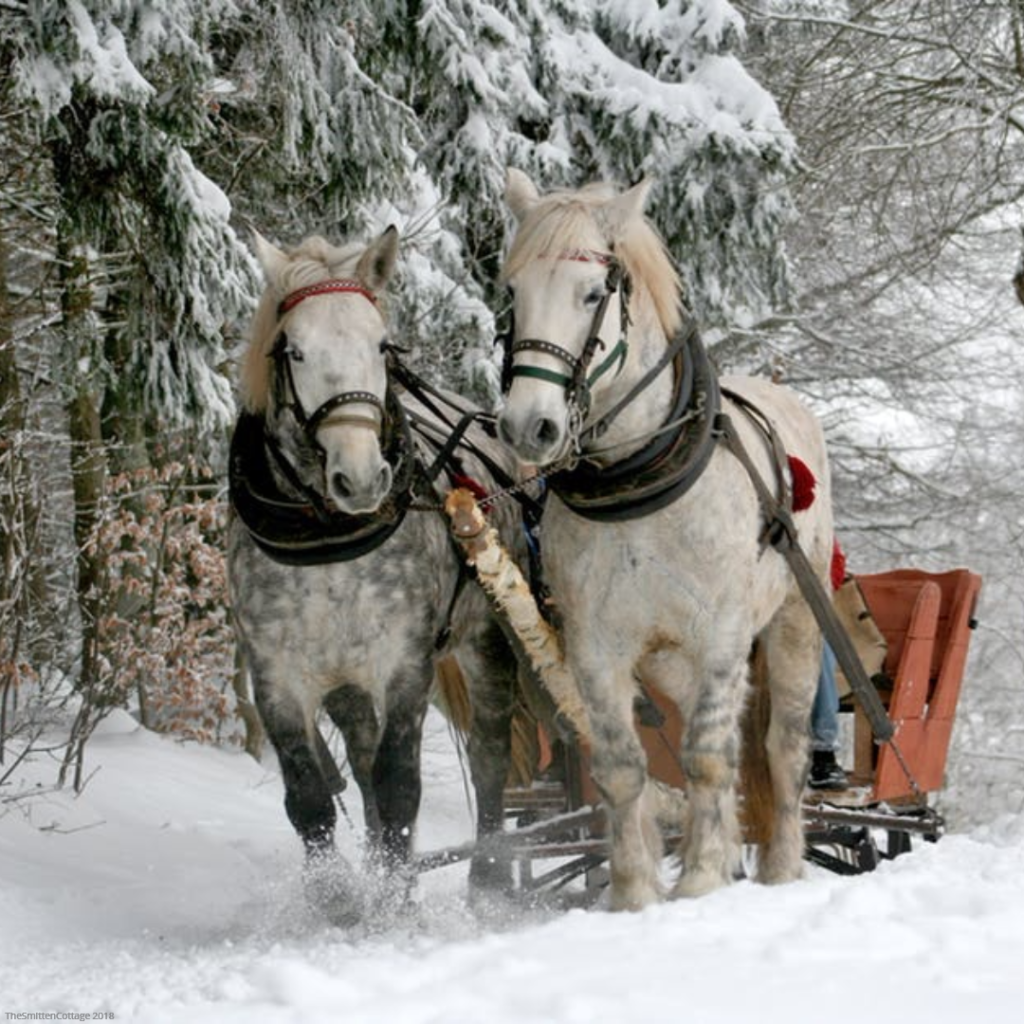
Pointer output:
x,y
11,519
88,475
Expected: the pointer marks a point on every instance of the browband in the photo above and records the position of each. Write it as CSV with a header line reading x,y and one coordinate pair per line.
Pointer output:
x,y
342,284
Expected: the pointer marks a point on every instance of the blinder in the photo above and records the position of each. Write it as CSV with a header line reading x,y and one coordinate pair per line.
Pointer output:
x,y
579,379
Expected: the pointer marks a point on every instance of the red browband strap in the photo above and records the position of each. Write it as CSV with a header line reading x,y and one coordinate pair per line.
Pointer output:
x,y
292,299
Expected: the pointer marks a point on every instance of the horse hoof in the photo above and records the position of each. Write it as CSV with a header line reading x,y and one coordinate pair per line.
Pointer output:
x,y
332,890
392,895
634,897
777,876
777,867
698,883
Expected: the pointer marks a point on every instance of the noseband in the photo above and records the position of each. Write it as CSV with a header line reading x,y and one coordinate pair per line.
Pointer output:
x,y
580,379
325,414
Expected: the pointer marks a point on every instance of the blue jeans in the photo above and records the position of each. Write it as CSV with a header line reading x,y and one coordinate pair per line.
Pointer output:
x,y
825,712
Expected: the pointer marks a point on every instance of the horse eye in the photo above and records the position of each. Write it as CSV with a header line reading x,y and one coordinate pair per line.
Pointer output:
x,y
294,354
593,297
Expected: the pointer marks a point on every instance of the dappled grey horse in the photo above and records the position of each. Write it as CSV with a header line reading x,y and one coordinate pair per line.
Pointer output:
x,y
343,590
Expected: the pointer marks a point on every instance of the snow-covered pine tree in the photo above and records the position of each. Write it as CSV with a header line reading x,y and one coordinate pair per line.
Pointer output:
x,y
340,121
118,88
107,97
710,136
309,122
317,129
573,90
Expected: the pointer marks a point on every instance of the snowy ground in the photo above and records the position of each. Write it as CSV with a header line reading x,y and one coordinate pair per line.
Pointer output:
x,y
169,891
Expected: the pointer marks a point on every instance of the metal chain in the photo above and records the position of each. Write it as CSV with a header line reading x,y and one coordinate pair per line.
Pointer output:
x,y
914,785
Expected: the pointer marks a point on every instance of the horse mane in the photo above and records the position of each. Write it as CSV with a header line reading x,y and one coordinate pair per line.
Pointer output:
x,y
314,259
564,220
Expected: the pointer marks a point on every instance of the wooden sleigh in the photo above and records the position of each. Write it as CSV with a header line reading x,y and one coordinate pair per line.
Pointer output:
x,y
926,619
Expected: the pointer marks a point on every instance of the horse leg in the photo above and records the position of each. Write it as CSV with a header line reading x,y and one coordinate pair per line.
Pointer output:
x,y
490,669
792,644
352,711
711,847
308,802
619,769
397,783
331,887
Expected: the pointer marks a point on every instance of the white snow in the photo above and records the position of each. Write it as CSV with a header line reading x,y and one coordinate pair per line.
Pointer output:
x,y
169,891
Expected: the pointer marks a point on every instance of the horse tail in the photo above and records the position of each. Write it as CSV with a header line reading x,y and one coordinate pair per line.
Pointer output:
x,y
453,695
758,803
455,704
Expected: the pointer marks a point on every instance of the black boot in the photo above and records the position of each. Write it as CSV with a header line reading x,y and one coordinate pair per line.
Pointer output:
x,y
826,772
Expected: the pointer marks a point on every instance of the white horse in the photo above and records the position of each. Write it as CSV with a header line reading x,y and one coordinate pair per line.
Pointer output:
x,y
654,545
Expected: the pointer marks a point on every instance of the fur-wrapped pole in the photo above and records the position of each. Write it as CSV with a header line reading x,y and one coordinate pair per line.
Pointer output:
x,y
505,586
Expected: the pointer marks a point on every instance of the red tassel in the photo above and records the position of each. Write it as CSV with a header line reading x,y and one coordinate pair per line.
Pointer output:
x,y
803,484
473,486
838,566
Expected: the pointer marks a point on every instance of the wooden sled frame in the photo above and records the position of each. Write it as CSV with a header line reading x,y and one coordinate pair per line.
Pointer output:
x,y
926,619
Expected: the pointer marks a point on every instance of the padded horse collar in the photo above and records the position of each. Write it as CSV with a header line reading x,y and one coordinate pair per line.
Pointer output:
x,y
305,531
668,466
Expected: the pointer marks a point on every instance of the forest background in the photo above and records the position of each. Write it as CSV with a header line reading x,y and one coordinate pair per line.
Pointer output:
x,y
839,181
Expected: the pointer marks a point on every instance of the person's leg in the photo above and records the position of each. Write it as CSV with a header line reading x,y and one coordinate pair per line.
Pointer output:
x,y
825,711
825,770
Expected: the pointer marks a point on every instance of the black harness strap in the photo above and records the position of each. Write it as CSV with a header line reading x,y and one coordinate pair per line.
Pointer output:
x,y
683,340
782,533
784,490
669,465
447,453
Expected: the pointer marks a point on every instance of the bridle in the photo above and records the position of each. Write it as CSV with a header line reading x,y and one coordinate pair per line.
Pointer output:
x,y
580,378
327,413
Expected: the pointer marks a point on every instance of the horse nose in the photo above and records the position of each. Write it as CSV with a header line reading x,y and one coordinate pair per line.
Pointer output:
x,y
357,495
532,439
546,432
340,485
508,435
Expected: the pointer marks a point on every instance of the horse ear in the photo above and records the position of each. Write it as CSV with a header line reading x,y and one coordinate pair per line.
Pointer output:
x,y
618,213
377,264
272,259
520,193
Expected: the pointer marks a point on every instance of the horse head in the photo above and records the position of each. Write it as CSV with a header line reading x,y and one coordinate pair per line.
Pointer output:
x,y
323,385
570,273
